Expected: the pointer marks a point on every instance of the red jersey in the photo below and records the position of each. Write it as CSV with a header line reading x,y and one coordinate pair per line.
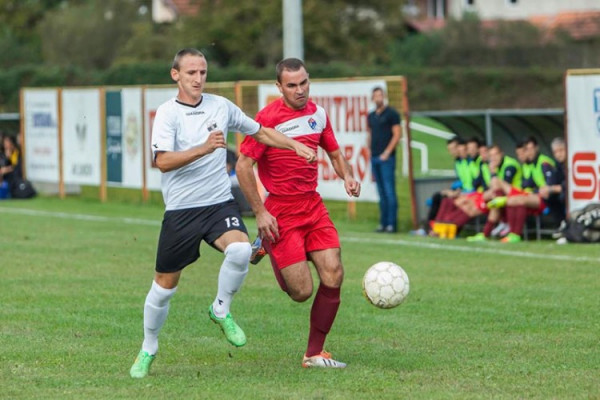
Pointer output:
x,y
282,172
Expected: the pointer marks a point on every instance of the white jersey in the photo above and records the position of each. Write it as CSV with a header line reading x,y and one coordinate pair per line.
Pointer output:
x,y
178,127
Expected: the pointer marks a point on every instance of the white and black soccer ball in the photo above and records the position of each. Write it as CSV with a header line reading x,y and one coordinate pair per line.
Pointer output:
x,y
385,285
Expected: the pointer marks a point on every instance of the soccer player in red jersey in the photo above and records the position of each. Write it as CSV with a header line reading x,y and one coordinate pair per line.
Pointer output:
x,y
293,222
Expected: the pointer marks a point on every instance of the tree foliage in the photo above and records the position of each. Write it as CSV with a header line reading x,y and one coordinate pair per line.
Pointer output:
x,y
88,34
246,32
471,42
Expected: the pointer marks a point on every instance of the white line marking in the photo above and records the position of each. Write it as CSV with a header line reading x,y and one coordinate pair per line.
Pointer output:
x,y
354,236
470,249
81,217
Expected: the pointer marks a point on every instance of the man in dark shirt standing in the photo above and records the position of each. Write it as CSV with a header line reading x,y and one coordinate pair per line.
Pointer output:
x,y
383,126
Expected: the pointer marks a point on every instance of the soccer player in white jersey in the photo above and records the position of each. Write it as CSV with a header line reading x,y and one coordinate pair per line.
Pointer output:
x,y
189,147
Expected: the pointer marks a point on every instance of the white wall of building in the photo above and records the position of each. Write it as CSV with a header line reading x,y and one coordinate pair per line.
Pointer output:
x,y
519,9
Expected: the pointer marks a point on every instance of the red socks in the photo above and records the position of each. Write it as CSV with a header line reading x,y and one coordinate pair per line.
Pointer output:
x,y
516,218
446,208
488,228
324,309
458,217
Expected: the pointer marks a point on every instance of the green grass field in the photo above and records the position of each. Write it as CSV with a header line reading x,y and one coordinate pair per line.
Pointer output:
x,y
481,321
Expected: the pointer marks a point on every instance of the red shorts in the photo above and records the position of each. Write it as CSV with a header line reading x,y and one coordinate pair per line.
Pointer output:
x,y
530,211
304,226
480,203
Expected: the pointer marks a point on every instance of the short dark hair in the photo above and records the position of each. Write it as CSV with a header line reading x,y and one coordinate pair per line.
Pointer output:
x,y
531,139
520,144
496,146
377,89
288,64
453,139
185,52
476,140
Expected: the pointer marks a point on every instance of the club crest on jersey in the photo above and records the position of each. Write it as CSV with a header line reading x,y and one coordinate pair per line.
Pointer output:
x,y
211,126
312,123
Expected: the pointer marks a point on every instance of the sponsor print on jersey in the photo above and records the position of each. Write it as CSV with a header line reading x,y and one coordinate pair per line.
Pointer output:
x,y
304,125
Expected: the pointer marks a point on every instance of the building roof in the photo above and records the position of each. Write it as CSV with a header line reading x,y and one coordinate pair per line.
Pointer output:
x,y
186,7
426,24
579,25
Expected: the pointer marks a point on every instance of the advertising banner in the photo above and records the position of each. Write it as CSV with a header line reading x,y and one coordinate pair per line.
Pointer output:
x,y
81,136
124,138
153,99
114,138
40,116
583,137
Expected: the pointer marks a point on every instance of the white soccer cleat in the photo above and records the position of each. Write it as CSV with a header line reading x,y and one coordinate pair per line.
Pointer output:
x,y
322,360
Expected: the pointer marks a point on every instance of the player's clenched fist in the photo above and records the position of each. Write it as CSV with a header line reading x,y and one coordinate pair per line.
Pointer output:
x,y
352,187
305,152
215,140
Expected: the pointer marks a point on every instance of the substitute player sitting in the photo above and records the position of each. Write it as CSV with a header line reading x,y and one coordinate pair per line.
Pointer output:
x,y
293,221
540,171
505,177
189,147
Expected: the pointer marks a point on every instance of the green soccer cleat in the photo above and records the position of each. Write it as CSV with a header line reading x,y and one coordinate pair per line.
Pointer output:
x,y
141,365
234,334
479,237
511,238
497,202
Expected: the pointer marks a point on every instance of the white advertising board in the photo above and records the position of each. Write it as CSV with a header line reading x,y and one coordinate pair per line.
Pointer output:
x,y
81,136
583,138
40,115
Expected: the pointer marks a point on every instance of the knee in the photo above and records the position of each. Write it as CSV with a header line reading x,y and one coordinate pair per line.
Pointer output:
x,y
300,295
238,254
334,277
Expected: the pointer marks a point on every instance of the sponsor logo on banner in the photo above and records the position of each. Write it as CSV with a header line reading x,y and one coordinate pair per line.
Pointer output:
x,y
43,120
132,132
585,171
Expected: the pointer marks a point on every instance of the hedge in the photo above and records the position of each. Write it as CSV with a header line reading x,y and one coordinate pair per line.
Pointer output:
x,y
429,88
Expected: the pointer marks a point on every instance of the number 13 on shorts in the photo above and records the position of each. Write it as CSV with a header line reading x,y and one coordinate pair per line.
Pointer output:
x,y
232,221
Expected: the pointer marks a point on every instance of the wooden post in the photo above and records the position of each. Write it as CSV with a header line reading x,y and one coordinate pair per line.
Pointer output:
x,y
145,193
103,166
239,100
22,130
61,175
411,180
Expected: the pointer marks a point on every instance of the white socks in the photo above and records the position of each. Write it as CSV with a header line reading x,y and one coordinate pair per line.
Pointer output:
x,y
232,274
156,310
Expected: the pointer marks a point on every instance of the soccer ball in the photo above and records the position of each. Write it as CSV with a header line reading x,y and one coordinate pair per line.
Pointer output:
x,y
385,285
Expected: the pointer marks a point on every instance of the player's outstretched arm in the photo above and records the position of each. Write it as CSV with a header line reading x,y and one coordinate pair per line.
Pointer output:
x,y
170,160
273,138
265,222
344,171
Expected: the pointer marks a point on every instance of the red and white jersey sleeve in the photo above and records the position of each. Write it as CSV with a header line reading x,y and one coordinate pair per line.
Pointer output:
x,y
282,172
